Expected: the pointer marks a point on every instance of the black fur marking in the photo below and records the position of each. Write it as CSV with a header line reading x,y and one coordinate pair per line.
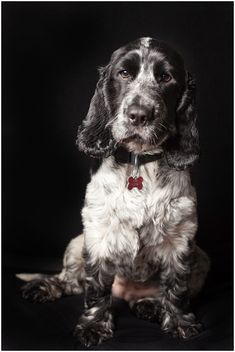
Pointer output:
x,y
182,150
93,137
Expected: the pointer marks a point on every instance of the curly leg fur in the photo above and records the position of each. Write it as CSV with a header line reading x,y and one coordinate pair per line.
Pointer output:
x,y
174,319
96,323
174,298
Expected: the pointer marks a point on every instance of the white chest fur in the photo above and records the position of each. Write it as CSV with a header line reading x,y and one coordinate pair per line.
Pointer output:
x,y
112,214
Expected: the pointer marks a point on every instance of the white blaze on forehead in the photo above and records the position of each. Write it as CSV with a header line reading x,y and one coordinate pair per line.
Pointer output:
x,y
145,41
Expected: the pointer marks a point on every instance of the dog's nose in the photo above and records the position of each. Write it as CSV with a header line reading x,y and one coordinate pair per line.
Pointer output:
x,y
138,115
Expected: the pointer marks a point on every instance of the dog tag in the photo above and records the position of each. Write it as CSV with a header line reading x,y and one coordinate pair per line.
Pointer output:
x,y
135,182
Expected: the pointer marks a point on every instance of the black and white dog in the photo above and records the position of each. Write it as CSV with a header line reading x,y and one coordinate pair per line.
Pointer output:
x,y
139,213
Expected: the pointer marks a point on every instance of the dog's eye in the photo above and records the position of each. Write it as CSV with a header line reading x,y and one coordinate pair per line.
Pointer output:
x,y
165,77
124,74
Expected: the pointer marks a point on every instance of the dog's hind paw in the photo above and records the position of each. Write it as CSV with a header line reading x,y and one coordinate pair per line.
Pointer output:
x,y
41,290
146,309
92,334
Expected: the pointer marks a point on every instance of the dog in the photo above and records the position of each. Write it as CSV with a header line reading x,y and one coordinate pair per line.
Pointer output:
x,y
139,213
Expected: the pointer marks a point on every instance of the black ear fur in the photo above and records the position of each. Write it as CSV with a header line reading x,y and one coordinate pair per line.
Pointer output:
x,y
94,138
182,150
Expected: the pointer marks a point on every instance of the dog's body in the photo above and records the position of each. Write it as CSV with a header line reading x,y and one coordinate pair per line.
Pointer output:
x,y
138,238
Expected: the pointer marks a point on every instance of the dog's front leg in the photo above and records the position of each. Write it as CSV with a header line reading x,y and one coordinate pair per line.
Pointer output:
x,y
176,267
175,315
96,323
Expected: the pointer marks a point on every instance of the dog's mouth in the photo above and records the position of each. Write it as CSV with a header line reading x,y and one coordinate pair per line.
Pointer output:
x,y
133,138
136,143
146,135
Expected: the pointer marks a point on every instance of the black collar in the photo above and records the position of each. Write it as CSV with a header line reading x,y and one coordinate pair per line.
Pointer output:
x,y
123,156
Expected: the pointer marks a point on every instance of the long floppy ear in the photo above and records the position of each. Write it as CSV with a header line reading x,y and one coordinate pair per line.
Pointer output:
x,y
182,150
94,137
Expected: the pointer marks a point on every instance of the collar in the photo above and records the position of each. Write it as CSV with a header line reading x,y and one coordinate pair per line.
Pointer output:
x,y
125,157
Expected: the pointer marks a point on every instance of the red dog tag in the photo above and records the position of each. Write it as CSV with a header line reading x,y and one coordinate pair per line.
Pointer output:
x,y
135,182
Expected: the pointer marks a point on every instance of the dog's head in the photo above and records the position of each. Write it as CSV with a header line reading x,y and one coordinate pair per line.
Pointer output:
x,y
144,99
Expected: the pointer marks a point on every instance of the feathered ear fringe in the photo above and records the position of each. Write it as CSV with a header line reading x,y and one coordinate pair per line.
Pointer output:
x,y
183,149
94,136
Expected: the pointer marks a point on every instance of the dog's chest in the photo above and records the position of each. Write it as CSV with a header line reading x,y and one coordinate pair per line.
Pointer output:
x,y
118,220
109,192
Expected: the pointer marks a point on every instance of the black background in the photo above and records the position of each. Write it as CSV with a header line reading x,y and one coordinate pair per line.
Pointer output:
x,y
50,55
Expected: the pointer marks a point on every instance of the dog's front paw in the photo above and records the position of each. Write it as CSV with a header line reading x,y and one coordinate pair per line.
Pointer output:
x,y
188,326
182,326
41,291
187,331
93,333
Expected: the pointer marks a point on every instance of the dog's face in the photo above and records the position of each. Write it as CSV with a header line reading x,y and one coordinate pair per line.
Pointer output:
x,y
145,82
143,99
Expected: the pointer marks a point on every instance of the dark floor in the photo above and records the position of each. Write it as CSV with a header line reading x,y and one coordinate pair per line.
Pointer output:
x,y
28,326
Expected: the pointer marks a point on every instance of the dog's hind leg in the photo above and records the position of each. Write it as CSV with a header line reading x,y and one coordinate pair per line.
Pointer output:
x,y
43,288
199,270
143,298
